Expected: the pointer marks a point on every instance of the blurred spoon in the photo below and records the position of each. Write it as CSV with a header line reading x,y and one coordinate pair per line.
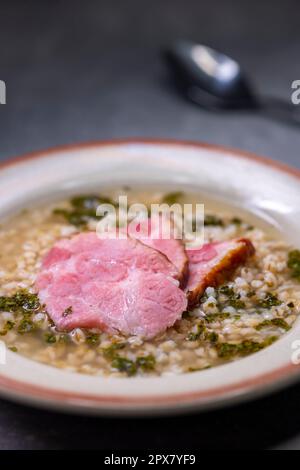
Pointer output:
x,y
216,81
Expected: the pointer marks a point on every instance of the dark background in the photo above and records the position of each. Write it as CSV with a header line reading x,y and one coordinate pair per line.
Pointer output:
x,y
94,70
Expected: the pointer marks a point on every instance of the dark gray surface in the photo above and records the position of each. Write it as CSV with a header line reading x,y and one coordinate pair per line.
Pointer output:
x,y
93,70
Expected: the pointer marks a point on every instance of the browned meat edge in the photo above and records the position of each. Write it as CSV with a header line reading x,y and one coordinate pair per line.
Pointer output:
x,y
222,271
184,272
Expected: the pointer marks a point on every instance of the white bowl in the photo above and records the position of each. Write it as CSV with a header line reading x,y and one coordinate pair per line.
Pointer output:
x,y
256,183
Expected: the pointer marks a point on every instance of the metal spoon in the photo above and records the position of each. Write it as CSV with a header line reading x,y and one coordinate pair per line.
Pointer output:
x,y
216,81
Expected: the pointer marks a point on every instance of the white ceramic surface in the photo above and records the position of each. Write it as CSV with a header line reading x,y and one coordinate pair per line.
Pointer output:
x,y
257,184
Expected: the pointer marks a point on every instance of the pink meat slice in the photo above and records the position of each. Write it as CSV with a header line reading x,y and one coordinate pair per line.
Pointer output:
x,y
114,285
213,263
158,232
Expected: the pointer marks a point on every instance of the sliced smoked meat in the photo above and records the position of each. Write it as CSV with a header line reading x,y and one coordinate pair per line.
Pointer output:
x,y
111,284
213,263
159,233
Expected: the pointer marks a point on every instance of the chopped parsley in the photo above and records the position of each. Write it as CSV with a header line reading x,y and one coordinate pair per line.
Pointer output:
x,y
197,369
226,290
90,202
130,367
50,338
278,322
123,364
294,263
204,334
93,339
237,303
251,293
270,340
26,326
7,327
195,335
111,351
83,208
236,221
270,300
172,198
22,301
233,299
24,304
64,338
230,350
213,220
212,317
226,350
212,337
146,363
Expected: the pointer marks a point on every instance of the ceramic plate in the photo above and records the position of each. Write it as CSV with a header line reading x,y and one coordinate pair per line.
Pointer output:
x,y
258,184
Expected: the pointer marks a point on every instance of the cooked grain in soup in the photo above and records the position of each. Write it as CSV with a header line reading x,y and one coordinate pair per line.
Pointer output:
x,y
256,305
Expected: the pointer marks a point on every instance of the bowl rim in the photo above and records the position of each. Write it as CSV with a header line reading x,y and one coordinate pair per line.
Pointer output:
x,y
257,385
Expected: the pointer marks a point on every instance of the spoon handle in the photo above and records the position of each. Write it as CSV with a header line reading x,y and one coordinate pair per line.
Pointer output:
x,y
280,110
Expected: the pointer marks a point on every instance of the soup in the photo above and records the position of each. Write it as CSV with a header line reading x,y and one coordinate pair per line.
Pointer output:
x,y
245,312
